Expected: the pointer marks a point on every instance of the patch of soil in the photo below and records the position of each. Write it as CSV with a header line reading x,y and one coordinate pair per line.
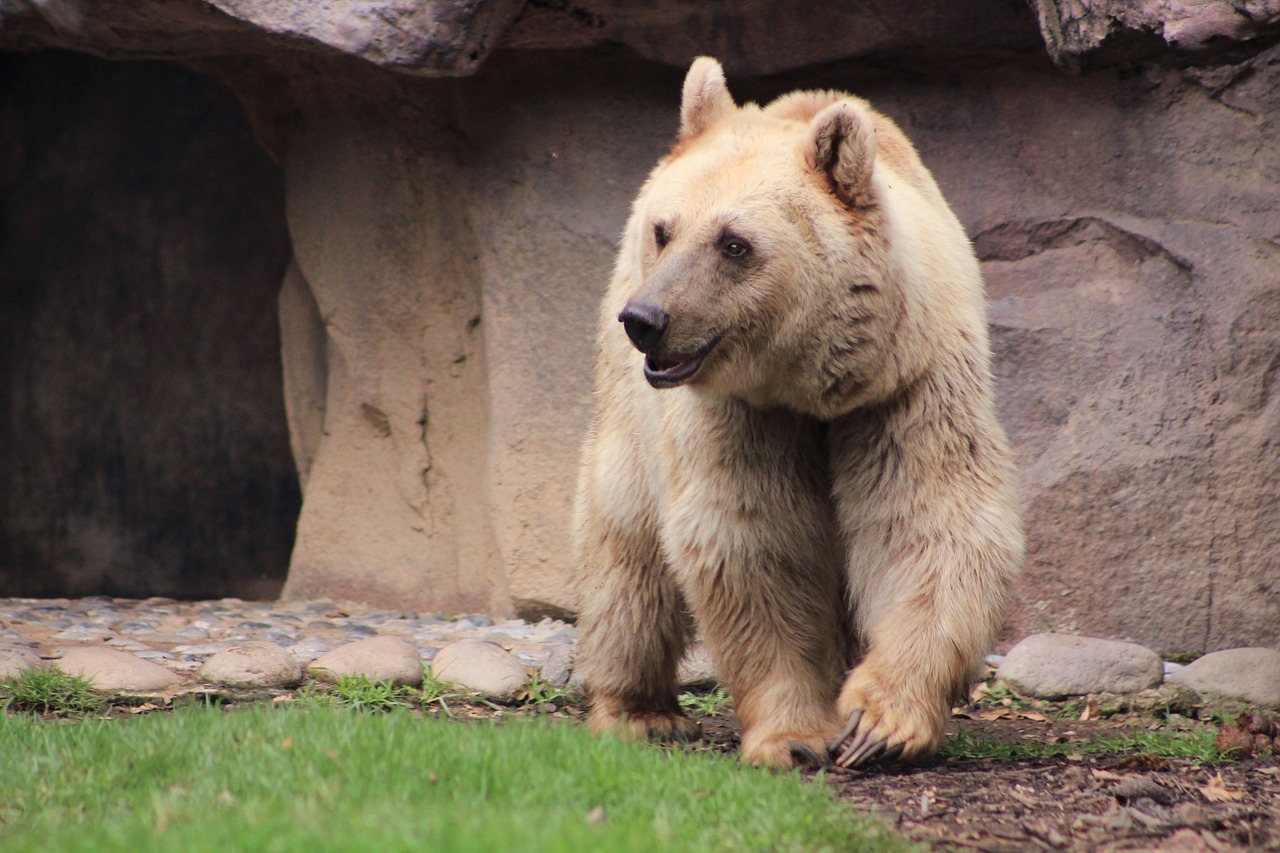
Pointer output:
x,y
1073,803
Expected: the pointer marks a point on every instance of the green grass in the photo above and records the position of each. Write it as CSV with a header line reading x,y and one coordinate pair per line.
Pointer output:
x,y
541,693
361,694
323,778
1199,746
50,691
706,704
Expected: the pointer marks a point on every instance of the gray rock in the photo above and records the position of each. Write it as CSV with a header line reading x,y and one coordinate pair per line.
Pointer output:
x,y
490,670
1251,675
252,664
309,649
14,661
200,650
377,658
113,670
558,667
1051,666
697,669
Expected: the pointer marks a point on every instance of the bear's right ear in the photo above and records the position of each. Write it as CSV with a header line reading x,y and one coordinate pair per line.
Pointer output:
x,y
705,98
842,147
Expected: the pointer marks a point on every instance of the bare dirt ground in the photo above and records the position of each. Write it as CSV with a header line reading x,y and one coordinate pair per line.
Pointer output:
x,y
1076,802
1129,799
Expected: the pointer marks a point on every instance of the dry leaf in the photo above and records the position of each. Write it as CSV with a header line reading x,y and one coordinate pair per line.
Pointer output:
x,y
1033,715
1216,791
996,714
1105,775
1090,711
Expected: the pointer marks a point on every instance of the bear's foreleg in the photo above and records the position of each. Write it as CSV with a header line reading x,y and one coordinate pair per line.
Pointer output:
x,y
748,530
924,499
633,623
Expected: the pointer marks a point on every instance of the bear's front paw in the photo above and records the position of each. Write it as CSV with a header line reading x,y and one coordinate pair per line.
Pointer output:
x,y
784,751
882,726
646,725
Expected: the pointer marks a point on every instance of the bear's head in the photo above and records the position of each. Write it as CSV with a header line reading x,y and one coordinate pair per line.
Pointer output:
x,y
768,256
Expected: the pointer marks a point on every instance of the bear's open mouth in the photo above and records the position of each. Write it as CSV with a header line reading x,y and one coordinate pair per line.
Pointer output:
x,y
670,371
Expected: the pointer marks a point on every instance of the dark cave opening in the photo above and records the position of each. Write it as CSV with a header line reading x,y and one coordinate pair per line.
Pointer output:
x,y
144,449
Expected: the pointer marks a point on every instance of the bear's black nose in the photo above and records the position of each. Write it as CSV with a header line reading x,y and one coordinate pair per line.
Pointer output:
x,y
644,323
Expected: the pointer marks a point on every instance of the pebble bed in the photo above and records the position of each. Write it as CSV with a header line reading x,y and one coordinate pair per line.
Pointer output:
x,y
173,646
183,636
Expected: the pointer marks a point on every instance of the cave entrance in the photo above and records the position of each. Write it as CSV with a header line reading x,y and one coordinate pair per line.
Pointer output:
x,y
144,449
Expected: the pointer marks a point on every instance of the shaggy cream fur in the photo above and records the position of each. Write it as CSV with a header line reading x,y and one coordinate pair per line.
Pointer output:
x,y
805,462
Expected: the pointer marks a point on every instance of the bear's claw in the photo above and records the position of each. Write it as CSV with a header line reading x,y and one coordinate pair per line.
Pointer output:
x,y
802,753
861,748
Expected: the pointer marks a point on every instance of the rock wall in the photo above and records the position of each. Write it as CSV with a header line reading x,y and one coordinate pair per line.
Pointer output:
x,y
451,237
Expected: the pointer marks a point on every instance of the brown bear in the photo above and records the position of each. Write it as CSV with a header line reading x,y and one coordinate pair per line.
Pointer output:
x,y
794,446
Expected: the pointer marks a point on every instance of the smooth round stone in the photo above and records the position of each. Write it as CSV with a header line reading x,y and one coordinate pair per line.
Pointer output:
x,y
489,670
15,661
558,666
114,670
377,659
1053,666
253,664
1249,675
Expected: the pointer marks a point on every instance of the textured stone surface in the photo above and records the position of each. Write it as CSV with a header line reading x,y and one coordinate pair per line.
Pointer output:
x,y
558,668
696,668
377,658
252,664
112,670
487,669
13,661
1100,31
1051,666
420,36
1250,675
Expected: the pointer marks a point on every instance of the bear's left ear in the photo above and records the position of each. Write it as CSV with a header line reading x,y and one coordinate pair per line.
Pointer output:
x,y
705,98
842,147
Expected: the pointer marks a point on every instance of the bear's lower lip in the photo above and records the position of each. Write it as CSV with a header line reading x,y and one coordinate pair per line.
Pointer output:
x,y
674,371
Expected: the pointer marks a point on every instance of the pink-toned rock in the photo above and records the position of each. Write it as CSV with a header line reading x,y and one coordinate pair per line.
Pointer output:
x,y
489,670
114,670
16,660
1094,32
1052,666
254,664
377,658
1250,675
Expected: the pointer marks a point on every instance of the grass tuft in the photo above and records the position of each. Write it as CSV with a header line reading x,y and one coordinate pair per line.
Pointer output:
x,y
542,693
362,694
706,704
50,691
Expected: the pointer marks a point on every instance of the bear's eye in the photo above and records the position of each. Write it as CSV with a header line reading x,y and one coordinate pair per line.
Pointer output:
x,y
735,247
661,236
